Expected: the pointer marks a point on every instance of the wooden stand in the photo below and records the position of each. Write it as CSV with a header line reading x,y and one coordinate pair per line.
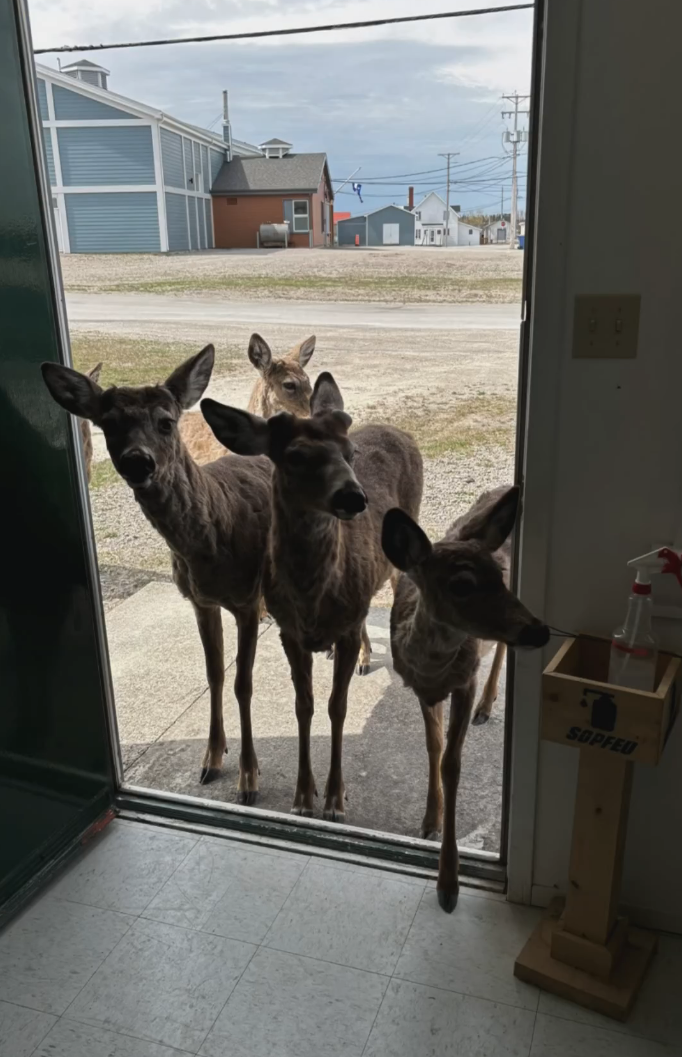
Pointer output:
x,y
583,950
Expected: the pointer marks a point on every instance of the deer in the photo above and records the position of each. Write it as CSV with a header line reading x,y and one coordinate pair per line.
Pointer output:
x,y
214,518
331,489
451,598
282,385
86,432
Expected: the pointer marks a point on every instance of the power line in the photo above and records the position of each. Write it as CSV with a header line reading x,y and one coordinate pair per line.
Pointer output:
x,y
330,28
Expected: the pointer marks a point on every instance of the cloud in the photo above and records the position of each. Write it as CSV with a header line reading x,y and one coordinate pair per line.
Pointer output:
x,y
386,99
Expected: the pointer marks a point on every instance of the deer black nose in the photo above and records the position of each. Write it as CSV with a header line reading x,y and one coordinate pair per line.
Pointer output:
x,y
349,501
136,466
534,636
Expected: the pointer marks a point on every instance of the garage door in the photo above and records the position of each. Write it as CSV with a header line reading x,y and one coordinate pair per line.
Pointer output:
x,y
391,234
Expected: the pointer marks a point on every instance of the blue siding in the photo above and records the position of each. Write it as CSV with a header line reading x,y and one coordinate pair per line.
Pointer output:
x,y
391,215
72,106
42,99
194,235
189,163
351,227
49,155
119,222
197,165
171,157
119,155
176,216
209,223
205,169
217,160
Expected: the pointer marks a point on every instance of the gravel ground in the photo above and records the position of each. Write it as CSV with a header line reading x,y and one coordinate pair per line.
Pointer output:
x,y
406,274
455,392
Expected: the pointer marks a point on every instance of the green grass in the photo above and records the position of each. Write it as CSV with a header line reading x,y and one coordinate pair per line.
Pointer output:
x,y
104,475
369,288
141,361
465,427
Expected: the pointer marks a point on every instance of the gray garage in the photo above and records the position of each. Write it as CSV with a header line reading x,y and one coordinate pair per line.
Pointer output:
x,y
388,226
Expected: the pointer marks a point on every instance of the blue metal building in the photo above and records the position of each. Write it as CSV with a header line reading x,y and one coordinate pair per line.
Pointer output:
x,y
126,178
387,226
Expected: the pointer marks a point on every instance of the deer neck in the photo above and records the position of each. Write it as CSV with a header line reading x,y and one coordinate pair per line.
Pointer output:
x,y
306,548
427,645
180,504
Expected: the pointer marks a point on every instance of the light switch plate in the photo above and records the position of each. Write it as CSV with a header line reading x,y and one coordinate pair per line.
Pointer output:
x,y
606,327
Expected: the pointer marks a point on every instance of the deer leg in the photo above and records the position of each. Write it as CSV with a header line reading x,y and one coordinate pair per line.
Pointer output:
x,y
345,656
247,640
301,664
210,626
461,703
433,724
489,696
365,652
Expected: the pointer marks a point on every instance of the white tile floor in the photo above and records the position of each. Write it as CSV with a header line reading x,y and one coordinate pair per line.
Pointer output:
x,y
158,943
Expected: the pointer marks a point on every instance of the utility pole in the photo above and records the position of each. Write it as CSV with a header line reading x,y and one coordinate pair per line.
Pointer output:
x,y
515,138
448,155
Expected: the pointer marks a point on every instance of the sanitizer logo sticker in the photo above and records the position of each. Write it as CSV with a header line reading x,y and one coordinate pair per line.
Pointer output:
x,y
604,709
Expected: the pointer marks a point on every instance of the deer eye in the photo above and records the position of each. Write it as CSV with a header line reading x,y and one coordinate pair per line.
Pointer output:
x,y
463,584
290,387
166,425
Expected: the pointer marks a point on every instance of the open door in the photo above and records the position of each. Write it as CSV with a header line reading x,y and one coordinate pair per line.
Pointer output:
x,y
57,771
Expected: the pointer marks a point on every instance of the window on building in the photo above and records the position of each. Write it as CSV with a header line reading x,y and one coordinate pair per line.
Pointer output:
x,y
471,231
419,216
301,216
439,232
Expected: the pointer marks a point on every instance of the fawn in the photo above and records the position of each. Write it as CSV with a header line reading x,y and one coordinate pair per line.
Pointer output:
x,y
331,489
450,598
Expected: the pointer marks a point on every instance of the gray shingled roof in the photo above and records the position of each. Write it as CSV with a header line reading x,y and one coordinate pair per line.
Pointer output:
x,y
295,172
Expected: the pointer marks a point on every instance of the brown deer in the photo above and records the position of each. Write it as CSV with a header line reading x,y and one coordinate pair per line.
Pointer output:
x,y
215,520
86,431
450,598
331,489
283,385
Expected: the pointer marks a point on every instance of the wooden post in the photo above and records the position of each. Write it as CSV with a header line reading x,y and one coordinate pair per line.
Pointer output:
x,y
599,828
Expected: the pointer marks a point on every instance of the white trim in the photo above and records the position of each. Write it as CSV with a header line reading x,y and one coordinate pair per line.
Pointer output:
x,y
160,193
102,122
547,325
81,189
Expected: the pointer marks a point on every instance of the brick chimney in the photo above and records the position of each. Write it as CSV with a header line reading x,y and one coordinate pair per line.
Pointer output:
x,y
410,198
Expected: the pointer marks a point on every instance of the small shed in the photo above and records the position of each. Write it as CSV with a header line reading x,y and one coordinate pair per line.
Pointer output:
x,y
387,226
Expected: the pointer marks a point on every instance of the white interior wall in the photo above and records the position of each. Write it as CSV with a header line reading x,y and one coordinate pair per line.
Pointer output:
x,y
604,456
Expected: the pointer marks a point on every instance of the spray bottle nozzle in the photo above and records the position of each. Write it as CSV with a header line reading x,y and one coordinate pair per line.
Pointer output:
x,y
664,560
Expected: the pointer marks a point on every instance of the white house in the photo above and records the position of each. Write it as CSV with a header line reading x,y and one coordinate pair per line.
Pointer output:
x,y
430,225
496,231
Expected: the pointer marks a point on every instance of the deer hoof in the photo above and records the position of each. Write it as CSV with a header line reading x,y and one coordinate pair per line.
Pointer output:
x,y
363,669
332,815
209,774
330,654
248,797
432,834
303,812
447,900
480,718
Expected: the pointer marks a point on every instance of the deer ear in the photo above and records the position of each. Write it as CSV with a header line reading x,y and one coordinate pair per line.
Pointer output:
x,y
495,524
302,354
94,374
260,353
404,543
188,382
73,391
326,395
237,430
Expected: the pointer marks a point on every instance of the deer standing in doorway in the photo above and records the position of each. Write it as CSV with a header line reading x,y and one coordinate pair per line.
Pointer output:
x,y
450,598
331,489
215,520
283,385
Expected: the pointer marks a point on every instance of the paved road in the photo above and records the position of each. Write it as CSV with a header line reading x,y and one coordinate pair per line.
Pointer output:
x,y
155,308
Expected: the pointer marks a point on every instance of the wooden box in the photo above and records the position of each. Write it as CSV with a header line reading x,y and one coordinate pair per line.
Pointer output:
x,y
582,710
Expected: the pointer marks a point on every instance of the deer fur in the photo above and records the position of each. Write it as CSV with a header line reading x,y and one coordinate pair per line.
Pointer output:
x,y
331,489
215,520
451,598
282,385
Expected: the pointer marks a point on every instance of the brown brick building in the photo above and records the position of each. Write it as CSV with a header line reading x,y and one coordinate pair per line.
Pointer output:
x,y
280,186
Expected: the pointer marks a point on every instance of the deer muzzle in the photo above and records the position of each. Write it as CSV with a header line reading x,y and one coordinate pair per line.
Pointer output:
x,y
137,467
348,502
533,636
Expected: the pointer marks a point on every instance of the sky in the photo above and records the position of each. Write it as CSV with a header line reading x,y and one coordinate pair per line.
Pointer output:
x,y
388,100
